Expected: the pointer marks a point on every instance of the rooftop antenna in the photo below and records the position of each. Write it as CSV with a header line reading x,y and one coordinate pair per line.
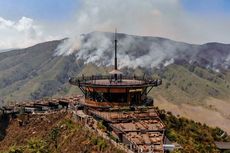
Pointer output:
x,y
115,59
115,72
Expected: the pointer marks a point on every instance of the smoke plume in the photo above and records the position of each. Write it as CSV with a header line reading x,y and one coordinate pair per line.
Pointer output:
x,y
148,17
132,16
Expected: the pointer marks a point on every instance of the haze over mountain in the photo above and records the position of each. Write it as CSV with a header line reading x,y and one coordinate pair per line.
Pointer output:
x,y
149,52
195,77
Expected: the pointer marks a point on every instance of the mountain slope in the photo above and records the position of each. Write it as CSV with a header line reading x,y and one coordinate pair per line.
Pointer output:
x,y
192,72
183,84
197,75
189,70
34,72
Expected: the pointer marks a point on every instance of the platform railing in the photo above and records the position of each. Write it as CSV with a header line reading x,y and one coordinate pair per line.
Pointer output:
x,y
111,78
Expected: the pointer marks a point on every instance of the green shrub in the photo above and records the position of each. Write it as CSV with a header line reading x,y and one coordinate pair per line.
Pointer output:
x,y
54,134
192,136
37,146
69,123
16,149
101,126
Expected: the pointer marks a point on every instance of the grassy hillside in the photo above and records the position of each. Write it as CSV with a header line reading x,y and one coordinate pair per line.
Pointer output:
x,y
34,72
58,132
192,84
51,134
192,136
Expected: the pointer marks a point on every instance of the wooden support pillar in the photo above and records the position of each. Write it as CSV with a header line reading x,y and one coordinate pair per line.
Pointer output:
x,y
128,96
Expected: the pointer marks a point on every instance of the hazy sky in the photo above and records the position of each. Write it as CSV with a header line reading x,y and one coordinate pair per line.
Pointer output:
x,y
27,22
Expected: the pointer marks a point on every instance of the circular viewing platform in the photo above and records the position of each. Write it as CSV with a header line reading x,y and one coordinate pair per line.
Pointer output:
x,y
109,80
115,90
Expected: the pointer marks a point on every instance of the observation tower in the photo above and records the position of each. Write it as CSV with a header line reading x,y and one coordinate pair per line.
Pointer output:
x,y
122,105
115,89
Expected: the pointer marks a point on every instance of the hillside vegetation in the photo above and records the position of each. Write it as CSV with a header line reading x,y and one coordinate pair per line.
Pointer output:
x,y
192,136
58,132
34,72
52,133
192,84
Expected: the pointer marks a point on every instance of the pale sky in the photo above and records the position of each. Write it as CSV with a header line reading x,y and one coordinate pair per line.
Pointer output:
x,y
26,22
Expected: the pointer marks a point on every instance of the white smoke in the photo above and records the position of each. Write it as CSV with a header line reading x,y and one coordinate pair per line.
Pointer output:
x,y
137,17
228,59
96,50
147,52
168,62
133,52
227,62
132,16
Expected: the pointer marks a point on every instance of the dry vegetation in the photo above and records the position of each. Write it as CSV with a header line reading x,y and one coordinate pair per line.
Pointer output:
x,y
52,133
192,136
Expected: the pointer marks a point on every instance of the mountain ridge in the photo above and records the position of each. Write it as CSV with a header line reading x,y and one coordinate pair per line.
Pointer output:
x,y
35,72
26,64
